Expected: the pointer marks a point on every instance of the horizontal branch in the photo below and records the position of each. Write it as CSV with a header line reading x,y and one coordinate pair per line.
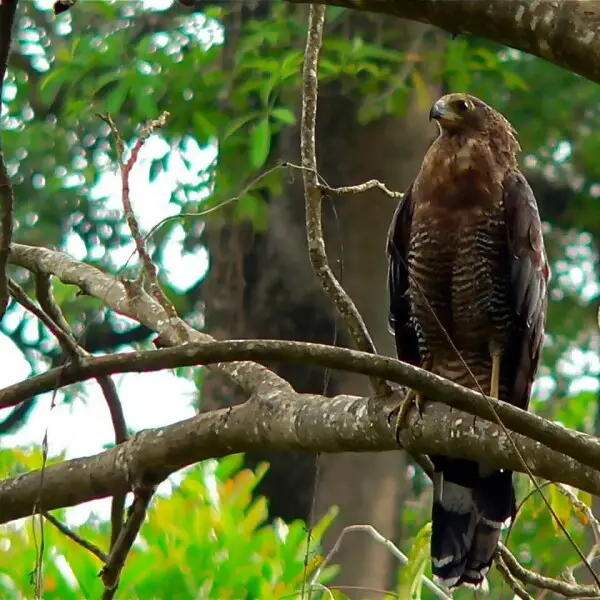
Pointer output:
x,y
563,32
278,421
579,446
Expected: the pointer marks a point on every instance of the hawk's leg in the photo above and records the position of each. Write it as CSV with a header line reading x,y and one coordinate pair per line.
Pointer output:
x,y
411,398
495,379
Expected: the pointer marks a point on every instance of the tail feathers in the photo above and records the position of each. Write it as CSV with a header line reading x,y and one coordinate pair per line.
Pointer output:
x,y
452,535
481,554
467,520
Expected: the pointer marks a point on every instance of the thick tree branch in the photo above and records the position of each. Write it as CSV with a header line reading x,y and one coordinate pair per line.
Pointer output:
x,y
579,446
563,32
279,421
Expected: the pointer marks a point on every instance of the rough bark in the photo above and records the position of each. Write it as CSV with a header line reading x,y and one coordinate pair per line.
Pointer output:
x,y
284,420
563,32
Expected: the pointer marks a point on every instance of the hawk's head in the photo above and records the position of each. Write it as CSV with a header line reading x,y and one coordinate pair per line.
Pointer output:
x,y
467,116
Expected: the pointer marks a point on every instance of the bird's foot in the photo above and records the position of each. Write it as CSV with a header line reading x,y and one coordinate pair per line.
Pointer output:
x,y
403,409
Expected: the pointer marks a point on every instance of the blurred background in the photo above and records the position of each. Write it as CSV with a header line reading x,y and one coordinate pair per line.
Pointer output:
x,y
233,259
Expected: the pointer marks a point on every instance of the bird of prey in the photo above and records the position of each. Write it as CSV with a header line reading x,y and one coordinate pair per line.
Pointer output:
x,y
467,281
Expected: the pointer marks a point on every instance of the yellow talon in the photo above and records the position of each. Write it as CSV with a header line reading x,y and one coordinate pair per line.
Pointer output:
x,y
403,409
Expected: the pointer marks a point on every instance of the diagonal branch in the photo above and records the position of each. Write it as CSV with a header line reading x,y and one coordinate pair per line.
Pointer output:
x,y
563,588
75,537
118,554
563,32
138,305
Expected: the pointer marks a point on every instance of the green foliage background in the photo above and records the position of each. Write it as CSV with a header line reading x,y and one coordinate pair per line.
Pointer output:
x,y
231,100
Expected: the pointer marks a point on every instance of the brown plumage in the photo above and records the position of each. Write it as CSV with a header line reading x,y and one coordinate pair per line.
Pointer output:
x,y
465,246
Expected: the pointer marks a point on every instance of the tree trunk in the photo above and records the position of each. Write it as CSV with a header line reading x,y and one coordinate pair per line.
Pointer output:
x,y
263,286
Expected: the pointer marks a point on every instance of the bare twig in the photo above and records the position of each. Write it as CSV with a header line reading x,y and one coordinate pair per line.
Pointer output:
x,y
8,9
359,189
563,588
66,341
148,267
54,319
583,509
99,554
380,539
43,293
513,584
118,555
219,205
313,195
117,416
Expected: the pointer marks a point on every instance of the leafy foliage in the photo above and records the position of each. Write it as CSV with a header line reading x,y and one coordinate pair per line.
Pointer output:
x,y
209,539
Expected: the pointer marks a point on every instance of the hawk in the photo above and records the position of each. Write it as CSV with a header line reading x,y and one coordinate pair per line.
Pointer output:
x,y
467,281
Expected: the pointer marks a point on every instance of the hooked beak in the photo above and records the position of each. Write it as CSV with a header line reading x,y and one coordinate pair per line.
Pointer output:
x,y
439,111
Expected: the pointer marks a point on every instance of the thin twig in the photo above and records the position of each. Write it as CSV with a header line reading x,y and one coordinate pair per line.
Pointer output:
x,y
54,319
568,590
380,539
66,341
313,195
202,213
360,188
513,584
583,509
117,416
97,552
118,555
8,9
148,267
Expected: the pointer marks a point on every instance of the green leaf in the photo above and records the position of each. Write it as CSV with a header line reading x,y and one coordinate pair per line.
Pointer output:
x,y
561,506
423,96
203,127
238,123
411,576
514,81
51,85
115,99
252,208
104,80
261,143
283,114
147,106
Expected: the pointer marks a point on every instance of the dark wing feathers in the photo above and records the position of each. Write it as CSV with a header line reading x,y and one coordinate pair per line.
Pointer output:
x,y
529,282
399,315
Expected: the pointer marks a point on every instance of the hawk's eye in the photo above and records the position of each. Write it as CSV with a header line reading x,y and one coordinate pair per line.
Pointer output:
x,y
462,105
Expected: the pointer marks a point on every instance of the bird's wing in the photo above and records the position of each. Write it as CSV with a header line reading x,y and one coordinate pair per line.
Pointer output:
x,y
399,317
529,276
